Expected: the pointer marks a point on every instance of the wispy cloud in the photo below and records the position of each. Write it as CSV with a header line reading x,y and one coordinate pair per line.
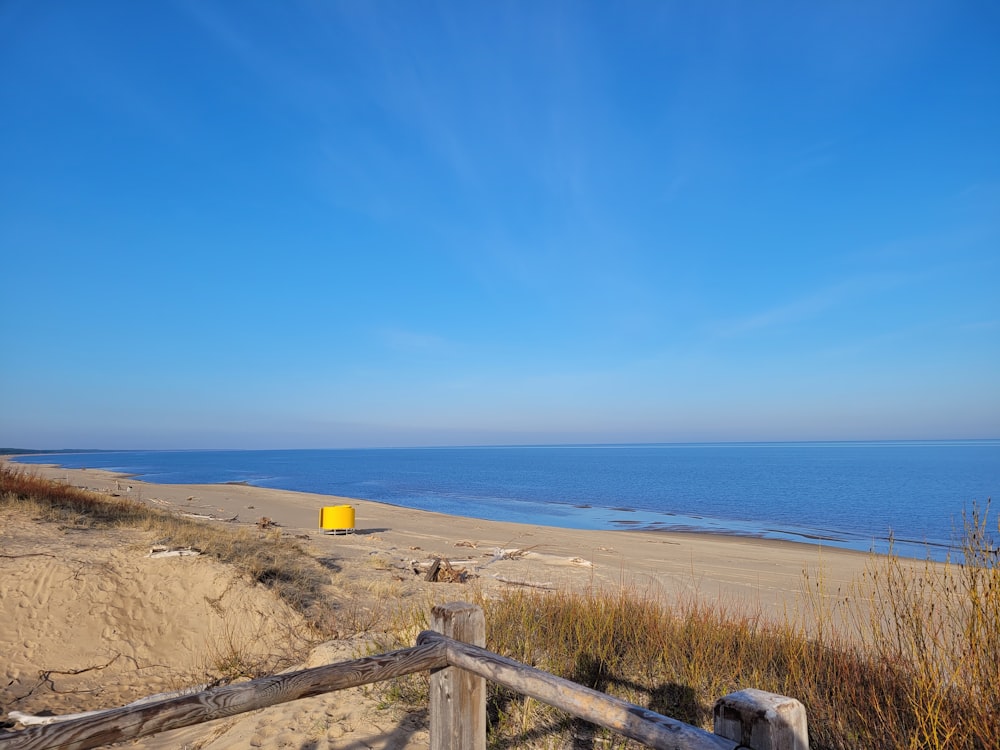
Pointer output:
x,y
789,312
401,80
981,325
282,75
815,157
809,305
405,340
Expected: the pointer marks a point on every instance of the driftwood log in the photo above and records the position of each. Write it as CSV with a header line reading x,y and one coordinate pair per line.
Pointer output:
x,y
129,723
441,571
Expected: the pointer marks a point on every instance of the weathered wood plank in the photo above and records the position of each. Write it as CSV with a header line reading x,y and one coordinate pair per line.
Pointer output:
x,y
126,723
458,697
762,721
613,713
432,571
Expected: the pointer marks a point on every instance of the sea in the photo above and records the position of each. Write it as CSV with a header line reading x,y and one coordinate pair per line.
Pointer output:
x,y
915,496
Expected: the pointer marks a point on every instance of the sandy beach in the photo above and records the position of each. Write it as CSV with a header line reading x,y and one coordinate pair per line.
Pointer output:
x,y
88,620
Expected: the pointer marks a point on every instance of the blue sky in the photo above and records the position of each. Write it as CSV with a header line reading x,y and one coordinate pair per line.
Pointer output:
x,y
321,224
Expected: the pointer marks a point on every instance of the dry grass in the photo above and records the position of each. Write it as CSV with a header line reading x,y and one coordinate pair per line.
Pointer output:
x,y
909,659
939,626
247,647
917,667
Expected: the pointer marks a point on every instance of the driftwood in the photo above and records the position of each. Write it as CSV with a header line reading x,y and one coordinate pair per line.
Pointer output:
x,y
501,553
210,517
529,584
121,724
161,551
516,553
441,571
27,554
33,720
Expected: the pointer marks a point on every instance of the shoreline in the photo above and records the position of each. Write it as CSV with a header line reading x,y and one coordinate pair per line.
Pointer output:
x,y
768,574
609,519
621,526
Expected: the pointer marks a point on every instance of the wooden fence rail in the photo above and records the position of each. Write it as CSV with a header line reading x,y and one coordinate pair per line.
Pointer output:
x,y
139,721
634,722
459,665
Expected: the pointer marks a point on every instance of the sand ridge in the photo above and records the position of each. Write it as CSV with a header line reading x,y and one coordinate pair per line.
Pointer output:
x,y
88,619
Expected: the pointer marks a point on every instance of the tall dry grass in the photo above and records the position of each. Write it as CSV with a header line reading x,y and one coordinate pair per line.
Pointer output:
x,y
913,662
939,626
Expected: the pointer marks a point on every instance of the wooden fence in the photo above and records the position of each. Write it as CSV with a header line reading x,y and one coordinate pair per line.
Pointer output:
x,y
459,665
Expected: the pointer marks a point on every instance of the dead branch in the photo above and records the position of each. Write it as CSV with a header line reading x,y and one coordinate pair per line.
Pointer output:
x,y
530,584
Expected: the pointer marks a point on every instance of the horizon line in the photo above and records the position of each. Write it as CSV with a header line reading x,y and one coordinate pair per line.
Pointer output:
x,y
10,451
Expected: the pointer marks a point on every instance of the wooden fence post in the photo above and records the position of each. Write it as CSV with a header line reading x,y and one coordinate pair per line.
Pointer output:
x,y
458,698
762,721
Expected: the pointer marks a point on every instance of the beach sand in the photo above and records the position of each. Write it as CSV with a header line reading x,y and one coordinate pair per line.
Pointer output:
x,y
88,620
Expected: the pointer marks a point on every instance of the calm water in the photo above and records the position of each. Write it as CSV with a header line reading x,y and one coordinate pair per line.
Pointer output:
x,y
842,494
